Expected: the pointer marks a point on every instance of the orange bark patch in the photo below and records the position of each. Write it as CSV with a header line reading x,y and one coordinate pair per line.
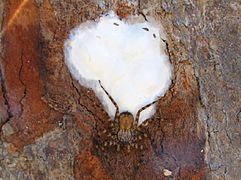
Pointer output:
x,y
87,166
124,9
31,116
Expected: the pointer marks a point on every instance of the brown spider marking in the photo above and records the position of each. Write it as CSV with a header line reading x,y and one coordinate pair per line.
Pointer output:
x,y
124,131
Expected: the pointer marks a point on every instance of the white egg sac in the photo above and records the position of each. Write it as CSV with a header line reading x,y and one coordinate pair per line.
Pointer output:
x,y
127,56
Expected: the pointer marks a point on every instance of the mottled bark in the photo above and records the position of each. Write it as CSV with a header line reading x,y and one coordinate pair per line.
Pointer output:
x,y
51,126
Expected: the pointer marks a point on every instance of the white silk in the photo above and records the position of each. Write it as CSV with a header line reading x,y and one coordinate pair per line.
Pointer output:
x,y
128,58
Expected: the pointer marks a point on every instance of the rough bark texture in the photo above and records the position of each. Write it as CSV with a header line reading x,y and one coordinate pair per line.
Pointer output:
x,y
50,125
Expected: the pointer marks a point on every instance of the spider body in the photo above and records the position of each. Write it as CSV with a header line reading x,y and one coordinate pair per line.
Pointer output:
x,y
126,130
126,127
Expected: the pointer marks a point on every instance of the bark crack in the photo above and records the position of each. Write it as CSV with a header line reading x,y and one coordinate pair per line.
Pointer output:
x,y
5,97
238,115
226,124
174,74
81,104
139,10
23,84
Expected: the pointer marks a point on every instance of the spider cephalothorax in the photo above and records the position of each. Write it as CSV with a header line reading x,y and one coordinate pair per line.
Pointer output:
x,y
126,126
126,130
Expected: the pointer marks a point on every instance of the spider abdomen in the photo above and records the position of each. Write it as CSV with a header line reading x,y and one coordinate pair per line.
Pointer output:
x,y
124,136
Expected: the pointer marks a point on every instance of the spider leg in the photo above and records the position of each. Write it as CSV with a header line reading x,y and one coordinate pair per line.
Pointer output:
x,y
142,109
141,147
128,148
118,147
112,100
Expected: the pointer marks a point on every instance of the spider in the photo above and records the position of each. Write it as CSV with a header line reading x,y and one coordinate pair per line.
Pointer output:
x,y
125,127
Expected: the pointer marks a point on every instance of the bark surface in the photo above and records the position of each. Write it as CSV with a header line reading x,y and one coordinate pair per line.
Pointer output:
x,y
51,126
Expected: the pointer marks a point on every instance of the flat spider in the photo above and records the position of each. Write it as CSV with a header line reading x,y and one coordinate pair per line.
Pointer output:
x,y
125,130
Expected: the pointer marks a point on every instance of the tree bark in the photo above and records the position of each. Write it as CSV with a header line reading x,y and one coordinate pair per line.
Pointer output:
x,y
51,126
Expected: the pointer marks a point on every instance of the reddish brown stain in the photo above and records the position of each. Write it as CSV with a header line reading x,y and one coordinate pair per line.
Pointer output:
x,y
31,116
123,9
87,166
